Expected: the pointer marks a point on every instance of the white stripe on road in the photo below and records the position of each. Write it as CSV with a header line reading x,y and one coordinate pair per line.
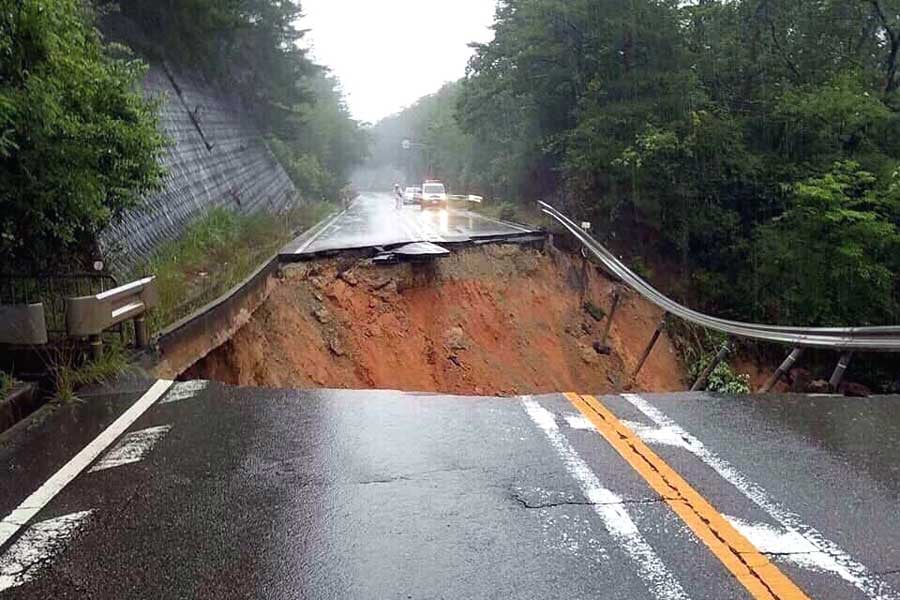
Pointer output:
x,y
846,566
788,546
505,223
661,583
132,448
33,504
184,390
579,422
319,233
31,552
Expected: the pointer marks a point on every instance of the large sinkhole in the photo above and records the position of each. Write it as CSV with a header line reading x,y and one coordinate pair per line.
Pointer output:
x,y
497,319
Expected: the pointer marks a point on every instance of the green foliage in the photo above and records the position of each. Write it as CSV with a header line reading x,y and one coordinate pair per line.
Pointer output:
x,y
78,142
724,380
835,251
441,150
319,159
755,143
253,48
508,211
6,384
70,370
216,253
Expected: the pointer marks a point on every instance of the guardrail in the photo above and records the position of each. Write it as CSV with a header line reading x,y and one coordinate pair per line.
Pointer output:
x,y
23,324
468,198
844,339
89,316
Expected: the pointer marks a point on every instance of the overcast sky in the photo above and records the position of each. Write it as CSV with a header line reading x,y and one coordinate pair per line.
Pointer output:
x,y
390,53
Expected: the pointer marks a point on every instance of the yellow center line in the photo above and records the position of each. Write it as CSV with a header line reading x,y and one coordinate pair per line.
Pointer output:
x,y
751,567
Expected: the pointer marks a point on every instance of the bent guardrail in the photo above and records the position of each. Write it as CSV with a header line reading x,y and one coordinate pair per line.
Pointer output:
x,y
844,339
89,316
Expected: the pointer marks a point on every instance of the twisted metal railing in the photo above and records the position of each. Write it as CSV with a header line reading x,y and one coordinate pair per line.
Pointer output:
x,y
844,339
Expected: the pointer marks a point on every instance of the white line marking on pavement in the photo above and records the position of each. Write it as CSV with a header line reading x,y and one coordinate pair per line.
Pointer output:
x,y
504,223
664,436
132,448
789,545
609,507
24,559
319,233
579,422
184,390
33,504
848,568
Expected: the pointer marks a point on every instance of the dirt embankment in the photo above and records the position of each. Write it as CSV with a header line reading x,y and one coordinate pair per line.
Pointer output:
x,y
492,320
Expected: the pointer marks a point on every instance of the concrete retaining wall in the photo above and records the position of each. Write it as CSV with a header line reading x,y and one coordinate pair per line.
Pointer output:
x,y
217,159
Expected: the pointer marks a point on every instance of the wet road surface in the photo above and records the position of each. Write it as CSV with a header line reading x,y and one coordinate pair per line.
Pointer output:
x,y
208,491
373,220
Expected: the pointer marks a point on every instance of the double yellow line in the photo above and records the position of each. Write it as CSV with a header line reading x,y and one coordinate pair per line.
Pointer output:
x,y
751,568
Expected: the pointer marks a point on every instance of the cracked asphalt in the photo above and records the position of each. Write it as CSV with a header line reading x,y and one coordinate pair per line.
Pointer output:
x,y
381,494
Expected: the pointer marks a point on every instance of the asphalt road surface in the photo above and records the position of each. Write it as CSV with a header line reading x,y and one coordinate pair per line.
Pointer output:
x,y
373,220
197,490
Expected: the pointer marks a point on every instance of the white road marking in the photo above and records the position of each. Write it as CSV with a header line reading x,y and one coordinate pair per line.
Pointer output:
x,y
846,566
24,559
579,422
789,545
33,504
184,390
505,224
132,448
321,232
664,436
661,583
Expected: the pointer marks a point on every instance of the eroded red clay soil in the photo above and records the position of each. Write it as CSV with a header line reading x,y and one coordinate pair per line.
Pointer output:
x,y
492,320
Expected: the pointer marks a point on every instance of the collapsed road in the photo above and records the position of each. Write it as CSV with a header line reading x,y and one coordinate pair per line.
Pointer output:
x,y
196,489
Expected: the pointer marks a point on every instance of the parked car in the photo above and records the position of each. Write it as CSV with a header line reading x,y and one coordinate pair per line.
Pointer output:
x,y
434,194
412,195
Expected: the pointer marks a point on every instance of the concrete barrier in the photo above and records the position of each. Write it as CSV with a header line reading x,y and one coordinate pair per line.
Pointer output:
x,y
23,324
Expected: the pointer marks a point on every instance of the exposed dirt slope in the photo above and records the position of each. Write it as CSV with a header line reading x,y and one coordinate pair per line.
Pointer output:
x,y
493,320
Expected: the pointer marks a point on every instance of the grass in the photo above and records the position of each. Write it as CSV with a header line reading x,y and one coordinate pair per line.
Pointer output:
x,y
216,253
70,372
6,384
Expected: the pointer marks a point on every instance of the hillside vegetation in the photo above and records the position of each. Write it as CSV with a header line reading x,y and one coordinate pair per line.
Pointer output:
x,y
754,144
79,143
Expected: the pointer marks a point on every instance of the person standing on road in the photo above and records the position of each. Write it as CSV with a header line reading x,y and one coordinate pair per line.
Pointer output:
x,y
398,196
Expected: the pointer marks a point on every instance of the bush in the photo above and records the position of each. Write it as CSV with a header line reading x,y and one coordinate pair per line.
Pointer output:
x,y
6,383
724,380
508,211
78,143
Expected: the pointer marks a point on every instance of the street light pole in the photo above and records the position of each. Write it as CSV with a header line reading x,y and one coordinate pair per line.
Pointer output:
x,y
426,151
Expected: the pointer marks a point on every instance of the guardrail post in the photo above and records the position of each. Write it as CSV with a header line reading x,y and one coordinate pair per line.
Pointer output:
x,y
789,362
584,274
609,319
719,357
839,370
648,349
96,345
140,331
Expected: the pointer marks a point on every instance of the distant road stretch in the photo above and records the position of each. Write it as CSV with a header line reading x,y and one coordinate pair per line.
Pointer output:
x,y
373,220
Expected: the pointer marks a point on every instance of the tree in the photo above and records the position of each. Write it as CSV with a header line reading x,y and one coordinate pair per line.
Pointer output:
x,y
79,145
